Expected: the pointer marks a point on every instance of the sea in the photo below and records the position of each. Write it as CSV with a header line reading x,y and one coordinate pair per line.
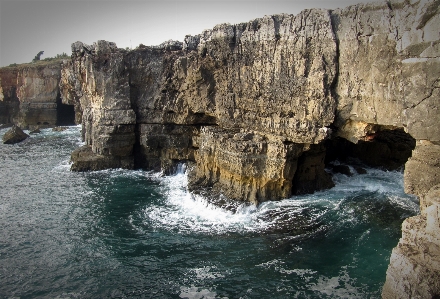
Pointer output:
x,y
140,234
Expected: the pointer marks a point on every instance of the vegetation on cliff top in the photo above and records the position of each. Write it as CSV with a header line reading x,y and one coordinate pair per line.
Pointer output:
x,y
38,62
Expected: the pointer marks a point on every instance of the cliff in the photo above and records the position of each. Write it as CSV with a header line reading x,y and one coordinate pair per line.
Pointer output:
x,y
414,270
31,95
263,93
258,109
254,109
8,99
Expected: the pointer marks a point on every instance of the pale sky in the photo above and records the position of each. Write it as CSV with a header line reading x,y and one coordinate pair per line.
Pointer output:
x,y
30,26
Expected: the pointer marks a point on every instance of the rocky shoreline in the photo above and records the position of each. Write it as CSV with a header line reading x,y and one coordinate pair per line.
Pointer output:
x,y
259,109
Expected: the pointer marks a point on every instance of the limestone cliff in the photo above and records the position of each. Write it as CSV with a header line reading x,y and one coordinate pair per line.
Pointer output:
x,y
270,78
389,71
414,270
254,109
31,95
388,68
8,101
287,79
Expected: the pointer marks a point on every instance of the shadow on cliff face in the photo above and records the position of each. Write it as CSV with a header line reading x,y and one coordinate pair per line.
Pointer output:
x,y
9,106
65,114
386,149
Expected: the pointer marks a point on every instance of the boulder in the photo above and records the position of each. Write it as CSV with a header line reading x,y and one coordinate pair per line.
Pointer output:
x,y
59,129
14,135
360,170
343,169
36,131
84,159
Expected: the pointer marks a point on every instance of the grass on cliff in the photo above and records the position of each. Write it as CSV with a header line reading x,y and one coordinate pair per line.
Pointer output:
x,y
43,62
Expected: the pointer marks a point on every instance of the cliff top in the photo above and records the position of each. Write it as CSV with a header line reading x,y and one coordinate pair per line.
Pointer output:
x,y
38,64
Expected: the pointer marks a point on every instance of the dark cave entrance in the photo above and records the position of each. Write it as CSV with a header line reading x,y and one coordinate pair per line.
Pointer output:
x,y
385,149
65,114
310,175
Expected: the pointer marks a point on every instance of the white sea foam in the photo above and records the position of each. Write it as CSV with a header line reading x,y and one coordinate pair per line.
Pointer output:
x,y
340,286
197,293
208,272
183,212
279,266
188,213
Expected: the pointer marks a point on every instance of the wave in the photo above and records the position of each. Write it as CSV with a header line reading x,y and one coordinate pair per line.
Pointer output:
x,y
303,216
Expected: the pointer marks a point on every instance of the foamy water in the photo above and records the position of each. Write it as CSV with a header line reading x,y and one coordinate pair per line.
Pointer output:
x,y
139,234
184,212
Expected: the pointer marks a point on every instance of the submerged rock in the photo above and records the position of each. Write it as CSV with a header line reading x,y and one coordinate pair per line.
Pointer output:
x,y
343,169
360,170
59,129
14,135
36,131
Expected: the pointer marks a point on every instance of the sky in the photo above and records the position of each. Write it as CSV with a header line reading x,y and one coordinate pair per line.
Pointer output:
x,y
30,26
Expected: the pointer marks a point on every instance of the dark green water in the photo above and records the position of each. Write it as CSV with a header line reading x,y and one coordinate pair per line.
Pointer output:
x,y
137,234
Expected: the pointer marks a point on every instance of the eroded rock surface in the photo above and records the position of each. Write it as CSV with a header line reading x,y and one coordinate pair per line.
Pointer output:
x,y
414,270
14,135
389,66
243,165
96,81
283,78
86,160
9,104
415,262
270,78
251,107
31,95
37,91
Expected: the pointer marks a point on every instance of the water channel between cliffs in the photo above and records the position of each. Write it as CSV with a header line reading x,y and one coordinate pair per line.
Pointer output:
x,y
138,234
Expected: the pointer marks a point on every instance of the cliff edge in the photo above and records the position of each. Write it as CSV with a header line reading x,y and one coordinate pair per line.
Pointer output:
x,y
257,109
30,96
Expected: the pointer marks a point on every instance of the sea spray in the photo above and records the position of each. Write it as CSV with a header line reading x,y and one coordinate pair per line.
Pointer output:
x,y
135,233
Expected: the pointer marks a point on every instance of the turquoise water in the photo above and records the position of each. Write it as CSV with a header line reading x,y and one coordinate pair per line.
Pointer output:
x,y
138,234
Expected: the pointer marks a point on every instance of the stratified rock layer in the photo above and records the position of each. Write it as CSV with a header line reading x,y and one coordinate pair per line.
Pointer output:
x,y
414,269
269,78
31,95
9,104
37,92
251,107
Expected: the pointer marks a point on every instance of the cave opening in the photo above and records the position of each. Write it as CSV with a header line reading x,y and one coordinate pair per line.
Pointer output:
x,y
385,149
65,114
310,175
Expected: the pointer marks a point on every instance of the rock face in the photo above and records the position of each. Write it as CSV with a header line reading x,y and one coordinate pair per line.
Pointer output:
x,y
267,81
254,109
286,79
389,66
9,104
37,92
86,160
31,95
14,135
97,81
389,70
414,270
